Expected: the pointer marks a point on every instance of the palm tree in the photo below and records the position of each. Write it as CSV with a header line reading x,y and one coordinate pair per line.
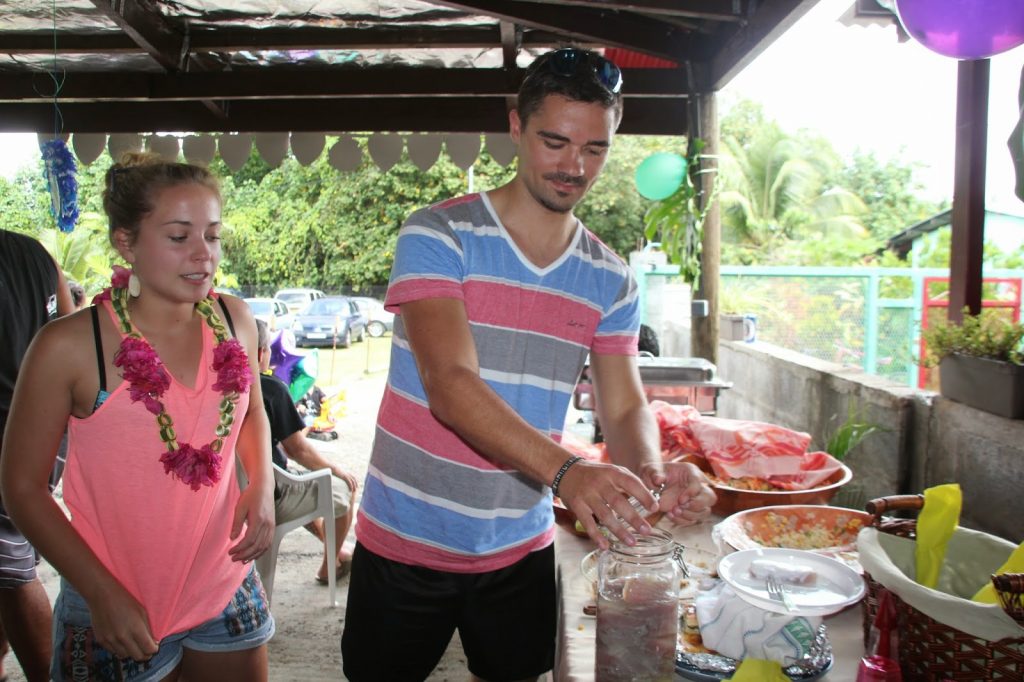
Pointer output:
x,y
773,188
85,254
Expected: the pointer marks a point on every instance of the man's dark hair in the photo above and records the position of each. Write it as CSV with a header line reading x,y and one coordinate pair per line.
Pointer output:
x,y
583,86
648,341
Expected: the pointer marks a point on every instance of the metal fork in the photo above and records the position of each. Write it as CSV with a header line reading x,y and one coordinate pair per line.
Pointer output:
x,y
777,592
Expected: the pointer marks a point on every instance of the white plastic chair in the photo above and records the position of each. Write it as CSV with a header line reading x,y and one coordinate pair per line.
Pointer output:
x,y
267,563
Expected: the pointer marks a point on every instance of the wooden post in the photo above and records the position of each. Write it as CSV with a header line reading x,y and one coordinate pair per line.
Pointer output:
x,y
704,330
968,220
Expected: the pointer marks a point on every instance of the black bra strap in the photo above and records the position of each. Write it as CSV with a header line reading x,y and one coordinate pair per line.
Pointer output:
x,y
100,361
227,316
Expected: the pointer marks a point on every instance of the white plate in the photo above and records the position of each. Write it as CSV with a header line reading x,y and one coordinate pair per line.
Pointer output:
x,y
836,587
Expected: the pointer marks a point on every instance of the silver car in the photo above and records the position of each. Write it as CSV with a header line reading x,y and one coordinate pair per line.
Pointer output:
x,y
379,320
273,311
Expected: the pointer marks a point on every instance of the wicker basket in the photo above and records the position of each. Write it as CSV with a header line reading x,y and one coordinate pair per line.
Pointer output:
x,y
931,650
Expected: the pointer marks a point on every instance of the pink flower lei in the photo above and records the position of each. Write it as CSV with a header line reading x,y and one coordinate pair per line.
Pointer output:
x,y
148,381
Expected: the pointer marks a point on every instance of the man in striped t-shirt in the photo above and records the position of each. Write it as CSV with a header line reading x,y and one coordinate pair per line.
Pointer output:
x,y
500,298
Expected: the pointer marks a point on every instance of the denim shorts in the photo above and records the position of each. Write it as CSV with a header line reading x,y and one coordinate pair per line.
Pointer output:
x,y
245,623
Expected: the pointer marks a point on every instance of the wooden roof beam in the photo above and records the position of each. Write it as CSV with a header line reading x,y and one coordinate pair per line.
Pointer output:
x,y
601,26
156,36
310,38
291,83
714,10
642,116
748,39
149,31
511,41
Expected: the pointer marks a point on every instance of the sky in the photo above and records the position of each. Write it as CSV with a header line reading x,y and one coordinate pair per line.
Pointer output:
x,y
861,88
857,86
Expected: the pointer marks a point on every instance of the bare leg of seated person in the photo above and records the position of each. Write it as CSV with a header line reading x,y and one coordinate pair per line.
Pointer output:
x,y
343,560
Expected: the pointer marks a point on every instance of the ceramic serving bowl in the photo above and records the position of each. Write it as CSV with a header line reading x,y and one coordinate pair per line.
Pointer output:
x,y
798,526
732,500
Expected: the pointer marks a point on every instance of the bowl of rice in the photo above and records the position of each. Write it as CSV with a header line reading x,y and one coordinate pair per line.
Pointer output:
x,y
830,531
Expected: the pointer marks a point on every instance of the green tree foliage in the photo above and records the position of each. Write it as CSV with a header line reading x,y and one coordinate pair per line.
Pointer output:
x,y
614,209
775,189
24,207
84,254
889,191
313,226
790,199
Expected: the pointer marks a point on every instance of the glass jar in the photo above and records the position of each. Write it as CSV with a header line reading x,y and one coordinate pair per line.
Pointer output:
x,y
638,610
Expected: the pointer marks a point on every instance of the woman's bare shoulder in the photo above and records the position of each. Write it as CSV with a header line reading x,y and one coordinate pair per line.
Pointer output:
x,y
64,343
236,306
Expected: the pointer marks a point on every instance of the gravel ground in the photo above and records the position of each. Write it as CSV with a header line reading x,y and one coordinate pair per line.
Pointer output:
x,y
307,644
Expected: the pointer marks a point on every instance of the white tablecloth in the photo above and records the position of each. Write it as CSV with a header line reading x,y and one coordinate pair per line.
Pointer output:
x,y
574,660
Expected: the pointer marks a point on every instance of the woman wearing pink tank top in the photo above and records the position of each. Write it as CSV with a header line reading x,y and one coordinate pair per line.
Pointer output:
x,y
156,391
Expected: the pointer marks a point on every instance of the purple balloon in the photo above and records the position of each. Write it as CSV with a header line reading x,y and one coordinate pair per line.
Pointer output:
x,y
965,29
283,355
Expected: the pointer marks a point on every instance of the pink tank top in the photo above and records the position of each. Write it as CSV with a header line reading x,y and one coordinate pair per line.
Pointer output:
x,y
167,544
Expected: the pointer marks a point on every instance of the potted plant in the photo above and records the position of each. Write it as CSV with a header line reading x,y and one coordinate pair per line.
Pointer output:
x,y
736,321
981,362
844,439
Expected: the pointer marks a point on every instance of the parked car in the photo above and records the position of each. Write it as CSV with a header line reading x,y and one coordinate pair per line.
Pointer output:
x,y
378,320
298,298
327,319
273,311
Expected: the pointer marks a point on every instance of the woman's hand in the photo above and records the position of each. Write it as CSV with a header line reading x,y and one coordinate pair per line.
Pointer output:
x,y
687,497
255,509
121,626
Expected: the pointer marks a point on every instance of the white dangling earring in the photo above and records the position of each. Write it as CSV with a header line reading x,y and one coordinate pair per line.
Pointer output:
x,y
134,286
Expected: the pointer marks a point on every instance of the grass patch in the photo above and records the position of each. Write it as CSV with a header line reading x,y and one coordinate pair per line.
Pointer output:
x,y
344,365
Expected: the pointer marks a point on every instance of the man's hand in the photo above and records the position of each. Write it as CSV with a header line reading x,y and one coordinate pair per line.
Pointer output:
x,y
593,489
349,479
687,497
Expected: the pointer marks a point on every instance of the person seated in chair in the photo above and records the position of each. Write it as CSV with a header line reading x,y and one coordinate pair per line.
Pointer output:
x,y
292,500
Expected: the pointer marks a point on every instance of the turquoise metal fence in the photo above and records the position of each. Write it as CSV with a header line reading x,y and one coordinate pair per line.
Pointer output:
x,y
864,317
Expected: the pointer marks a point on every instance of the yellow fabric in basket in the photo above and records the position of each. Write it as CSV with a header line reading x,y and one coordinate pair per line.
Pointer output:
x,y
1015,564
935,525
758,670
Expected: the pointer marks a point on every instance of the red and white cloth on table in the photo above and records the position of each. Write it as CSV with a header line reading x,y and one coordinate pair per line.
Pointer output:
x,y
736,448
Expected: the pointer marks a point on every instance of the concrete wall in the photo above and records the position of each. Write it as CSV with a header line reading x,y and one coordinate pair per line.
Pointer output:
x,y
927,440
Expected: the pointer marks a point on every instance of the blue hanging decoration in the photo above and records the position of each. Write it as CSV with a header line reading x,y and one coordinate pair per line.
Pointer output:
x,y
59,171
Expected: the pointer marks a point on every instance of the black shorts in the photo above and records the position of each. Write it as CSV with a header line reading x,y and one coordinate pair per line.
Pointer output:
x,y
400,618
18,558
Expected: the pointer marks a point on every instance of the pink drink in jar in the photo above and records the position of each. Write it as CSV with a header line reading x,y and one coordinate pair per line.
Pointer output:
x,y
637,611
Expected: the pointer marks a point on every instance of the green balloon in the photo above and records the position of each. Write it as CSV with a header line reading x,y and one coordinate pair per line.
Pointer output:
x,y
304,375
660,175
300,385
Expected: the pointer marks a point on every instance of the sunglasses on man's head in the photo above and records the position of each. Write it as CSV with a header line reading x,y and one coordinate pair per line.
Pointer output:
x,y
568,61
